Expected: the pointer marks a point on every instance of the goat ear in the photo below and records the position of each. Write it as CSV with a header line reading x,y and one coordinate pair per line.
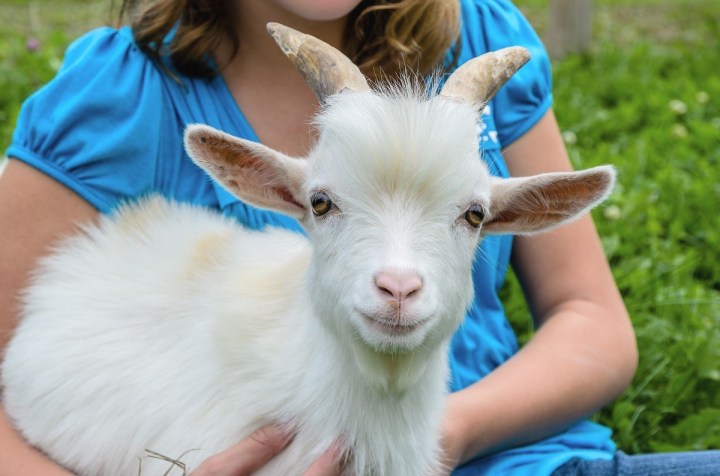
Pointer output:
x,y
252,172
528,205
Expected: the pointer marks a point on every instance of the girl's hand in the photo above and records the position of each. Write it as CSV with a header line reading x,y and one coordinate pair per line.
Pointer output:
x,y
253,452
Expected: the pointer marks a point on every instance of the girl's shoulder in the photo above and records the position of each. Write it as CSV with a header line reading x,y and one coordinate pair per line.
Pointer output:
x,y
490,25
103,65
102,123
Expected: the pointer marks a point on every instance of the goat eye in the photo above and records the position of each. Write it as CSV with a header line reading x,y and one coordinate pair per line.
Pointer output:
x,y
321,203
475,216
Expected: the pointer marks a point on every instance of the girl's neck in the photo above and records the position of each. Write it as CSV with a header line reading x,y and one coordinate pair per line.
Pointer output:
x,y
273,96
258,49
252,16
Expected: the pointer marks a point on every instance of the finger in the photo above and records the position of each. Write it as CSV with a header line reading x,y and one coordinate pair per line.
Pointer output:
x,y
257,449
250,454
330,463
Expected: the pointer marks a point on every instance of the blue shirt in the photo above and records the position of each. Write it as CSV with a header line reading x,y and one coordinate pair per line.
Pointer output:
x,y
110,126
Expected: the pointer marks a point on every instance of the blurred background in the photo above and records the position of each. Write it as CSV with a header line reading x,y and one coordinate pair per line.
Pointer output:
x,y
637,85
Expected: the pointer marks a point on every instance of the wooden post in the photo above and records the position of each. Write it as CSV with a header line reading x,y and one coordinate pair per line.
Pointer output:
x,y
570,27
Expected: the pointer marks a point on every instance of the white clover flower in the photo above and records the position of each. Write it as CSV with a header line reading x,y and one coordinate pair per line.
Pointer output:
x,y
612,212
703,97
55,63
679,131
569,137
678,107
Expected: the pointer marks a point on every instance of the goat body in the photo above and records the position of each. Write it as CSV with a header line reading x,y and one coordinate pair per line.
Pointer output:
x,y
176,330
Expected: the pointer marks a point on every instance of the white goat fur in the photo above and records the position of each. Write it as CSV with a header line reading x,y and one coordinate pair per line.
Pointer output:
x,y
170,328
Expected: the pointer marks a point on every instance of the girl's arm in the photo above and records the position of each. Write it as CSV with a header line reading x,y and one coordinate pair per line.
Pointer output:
x,y
584,351
34,211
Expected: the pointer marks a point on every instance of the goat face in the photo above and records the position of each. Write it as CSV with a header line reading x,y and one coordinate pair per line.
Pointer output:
x,y
389,185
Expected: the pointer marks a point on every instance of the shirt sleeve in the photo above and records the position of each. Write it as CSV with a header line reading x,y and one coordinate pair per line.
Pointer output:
x,y
490,25
95,126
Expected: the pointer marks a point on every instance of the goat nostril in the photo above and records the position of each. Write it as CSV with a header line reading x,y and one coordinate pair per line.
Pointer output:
x,y
384,290
411,288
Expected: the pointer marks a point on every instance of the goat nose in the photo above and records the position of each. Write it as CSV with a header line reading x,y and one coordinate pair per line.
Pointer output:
x,y
400,285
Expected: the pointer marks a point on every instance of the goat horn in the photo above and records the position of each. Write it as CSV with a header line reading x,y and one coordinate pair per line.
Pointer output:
x,y
479,79
326,70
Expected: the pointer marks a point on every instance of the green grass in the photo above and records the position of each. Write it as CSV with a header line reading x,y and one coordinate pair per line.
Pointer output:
x,y
646,99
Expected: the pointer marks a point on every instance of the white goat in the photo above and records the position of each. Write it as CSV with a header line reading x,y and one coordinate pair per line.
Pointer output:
x,y
171,328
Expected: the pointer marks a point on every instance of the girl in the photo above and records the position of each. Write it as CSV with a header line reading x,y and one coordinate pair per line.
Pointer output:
x,y
108,128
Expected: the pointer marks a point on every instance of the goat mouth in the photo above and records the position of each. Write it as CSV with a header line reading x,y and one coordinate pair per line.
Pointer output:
x,y
393,328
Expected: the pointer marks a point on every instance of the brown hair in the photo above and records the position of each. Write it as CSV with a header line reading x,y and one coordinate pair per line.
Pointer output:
x,y
382,36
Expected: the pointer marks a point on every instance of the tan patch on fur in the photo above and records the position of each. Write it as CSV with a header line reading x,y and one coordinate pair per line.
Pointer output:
x,y
274,281
396,366
141,217
207,253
